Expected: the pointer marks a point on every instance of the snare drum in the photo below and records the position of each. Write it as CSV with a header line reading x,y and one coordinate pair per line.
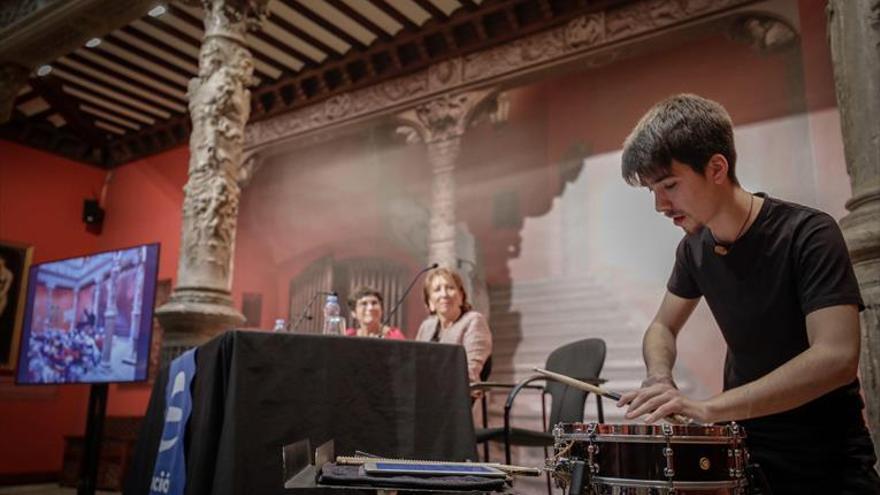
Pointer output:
x,y
639,459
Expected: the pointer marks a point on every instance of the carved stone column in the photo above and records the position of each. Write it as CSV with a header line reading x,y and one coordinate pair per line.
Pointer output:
x,y
12,79
440,124
136,308
50,290
96,296
73,309
442,156
110,313
219,104
854,33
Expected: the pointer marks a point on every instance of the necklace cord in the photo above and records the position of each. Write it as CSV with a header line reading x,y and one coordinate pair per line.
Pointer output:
x,y
745,222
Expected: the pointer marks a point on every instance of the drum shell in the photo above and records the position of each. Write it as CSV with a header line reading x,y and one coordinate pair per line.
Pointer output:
x,y
646,461
635,459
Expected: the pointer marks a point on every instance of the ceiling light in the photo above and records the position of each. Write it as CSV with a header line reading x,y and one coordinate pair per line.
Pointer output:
x,y
93,42
44,70
157,11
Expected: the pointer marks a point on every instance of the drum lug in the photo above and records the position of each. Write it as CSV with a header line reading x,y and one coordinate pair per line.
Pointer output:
x,y
669,470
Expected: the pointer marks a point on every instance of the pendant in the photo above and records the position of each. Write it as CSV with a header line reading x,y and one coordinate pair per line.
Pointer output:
x,y
721,250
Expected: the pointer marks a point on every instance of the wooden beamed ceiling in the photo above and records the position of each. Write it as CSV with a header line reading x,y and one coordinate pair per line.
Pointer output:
x,y
123,96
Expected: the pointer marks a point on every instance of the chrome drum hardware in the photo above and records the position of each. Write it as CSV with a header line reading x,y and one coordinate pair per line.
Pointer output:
x,y
636,459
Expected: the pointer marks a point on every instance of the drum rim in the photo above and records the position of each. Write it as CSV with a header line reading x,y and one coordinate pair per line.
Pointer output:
x,y
683,485
650,430
621,438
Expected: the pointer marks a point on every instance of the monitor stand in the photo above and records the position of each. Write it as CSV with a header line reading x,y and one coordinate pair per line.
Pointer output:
x,y
88,478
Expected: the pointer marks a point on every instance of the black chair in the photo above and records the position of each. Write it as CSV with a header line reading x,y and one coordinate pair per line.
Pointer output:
x,y
582,360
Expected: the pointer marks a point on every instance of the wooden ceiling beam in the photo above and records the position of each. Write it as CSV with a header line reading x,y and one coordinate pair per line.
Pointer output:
x,y
154,101
326,25
432,9
171,31
186,17
149,57
476,18
408,25
141,70
469,5
299,33
49,88
361,19
121,77
308,63
163,44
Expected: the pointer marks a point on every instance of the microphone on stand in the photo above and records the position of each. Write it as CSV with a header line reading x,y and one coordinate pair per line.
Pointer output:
x,y
406,292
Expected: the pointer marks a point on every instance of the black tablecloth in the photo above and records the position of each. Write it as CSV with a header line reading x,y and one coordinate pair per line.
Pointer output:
x,y
255,391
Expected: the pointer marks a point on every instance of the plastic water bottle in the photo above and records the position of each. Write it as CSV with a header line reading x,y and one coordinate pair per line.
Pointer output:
x,y
334,323
280,326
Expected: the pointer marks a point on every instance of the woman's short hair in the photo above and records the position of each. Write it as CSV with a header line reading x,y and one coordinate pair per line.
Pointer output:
x,y
449,274
362,292
686,128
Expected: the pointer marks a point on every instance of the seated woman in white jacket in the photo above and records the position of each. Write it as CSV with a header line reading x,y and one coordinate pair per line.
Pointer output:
x,y
453,321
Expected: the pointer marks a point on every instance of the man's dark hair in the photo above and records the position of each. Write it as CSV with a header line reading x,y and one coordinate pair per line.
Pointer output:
x,y
364,291
686,128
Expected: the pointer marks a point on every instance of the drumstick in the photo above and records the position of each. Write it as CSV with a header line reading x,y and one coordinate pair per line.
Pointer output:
x,y
676,418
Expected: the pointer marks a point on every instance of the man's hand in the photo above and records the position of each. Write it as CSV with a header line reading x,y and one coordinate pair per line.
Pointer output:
x,y
659,398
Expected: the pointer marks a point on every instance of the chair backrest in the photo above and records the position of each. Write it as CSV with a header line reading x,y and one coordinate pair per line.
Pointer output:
x,y
580,359
487,370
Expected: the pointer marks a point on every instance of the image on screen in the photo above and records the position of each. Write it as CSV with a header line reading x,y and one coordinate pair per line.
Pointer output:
x,y
89,319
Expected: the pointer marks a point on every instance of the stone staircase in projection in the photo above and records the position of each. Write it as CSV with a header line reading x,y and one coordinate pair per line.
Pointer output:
x,y
529,320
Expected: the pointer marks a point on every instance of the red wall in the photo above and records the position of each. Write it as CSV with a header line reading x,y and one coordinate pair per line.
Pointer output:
x,y
41,205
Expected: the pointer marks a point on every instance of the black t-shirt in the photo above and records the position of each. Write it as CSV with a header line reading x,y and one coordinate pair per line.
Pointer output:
x,y
789,263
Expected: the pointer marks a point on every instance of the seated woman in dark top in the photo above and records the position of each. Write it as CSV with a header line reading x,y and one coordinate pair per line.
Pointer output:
x,y
367,312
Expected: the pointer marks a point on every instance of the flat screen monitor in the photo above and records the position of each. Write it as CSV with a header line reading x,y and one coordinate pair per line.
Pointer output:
x,y
89,319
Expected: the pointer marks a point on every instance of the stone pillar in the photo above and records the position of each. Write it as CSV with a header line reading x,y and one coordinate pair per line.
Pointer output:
x,y
12,79
50,289
442,156
219,104
73,310
440,124
110,312
854,34
136,307
96,299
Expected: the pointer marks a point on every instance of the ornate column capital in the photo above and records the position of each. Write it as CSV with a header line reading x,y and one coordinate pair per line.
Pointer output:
x,y
443,118
232,18
440,123
250,165
763,32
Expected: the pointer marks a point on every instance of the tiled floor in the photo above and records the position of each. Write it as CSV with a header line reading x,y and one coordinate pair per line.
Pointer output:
x,y
46,489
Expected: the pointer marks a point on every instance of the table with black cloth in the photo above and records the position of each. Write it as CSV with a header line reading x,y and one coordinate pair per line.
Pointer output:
x,y
254,392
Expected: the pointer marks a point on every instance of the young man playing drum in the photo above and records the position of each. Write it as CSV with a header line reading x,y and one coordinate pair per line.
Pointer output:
x,y
778,279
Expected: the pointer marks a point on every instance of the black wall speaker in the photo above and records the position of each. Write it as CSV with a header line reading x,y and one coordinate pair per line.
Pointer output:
x,y
93,215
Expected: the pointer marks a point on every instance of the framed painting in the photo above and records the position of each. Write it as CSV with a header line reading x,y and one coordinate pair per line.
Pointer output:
x,y
15,259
